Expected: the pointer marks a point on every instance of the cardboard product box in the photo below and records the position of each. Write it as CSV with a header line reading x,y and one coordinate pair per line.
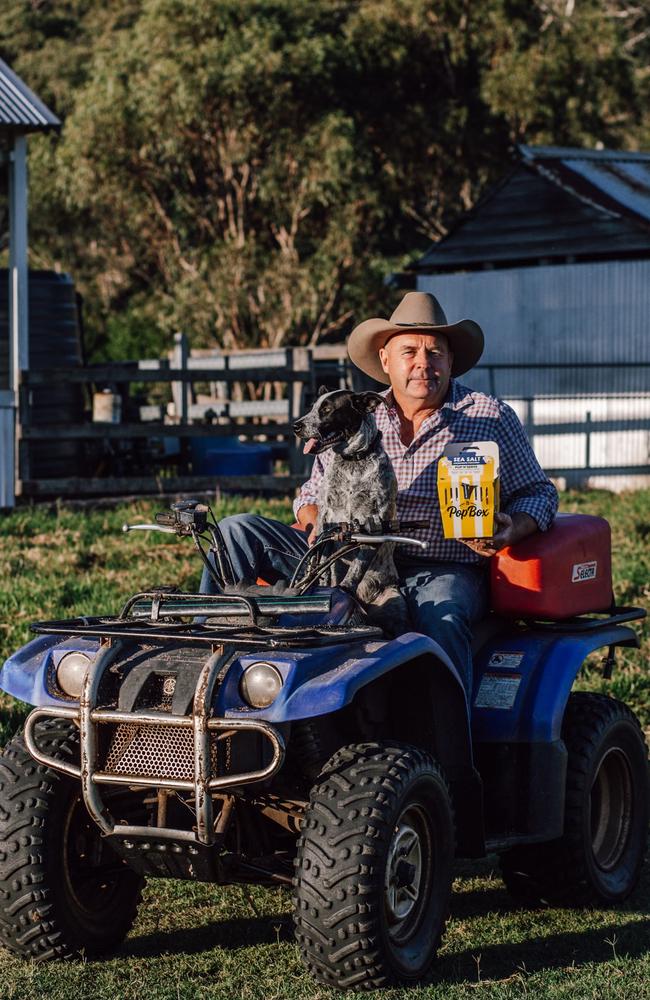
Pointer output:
x,y
468,489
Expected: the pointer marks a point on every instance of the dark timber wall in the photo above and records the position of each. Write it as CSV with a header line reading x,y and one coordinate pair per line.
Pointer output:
x,y
54,342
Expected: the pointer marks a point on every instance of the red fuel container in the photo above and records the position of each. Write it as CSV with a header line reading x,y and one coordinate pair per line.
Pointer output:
x,y
555,574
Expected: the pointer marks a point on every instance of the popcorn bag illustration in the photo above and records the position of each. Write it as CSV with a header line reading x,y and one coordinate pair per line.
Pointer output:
x,y
468,489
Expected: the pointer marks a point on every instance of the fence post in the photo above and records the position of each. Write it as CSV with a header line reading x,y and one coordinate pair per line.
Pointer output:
x,y
180,390
23,421
529,423
588,442
8,470
300,362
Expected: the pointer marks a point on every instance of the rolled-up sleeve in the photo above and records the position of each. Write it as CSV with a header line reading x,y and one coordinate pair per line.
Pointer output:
x,y
310,490
524,486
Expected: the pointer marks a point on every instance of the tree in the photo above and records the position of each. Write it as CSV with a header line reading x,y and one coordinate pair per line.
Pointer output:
x,y
249,171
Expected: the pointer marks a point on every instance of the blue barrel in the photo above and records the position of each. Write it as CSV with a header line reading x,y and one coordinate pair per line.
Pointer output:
x,y
229,457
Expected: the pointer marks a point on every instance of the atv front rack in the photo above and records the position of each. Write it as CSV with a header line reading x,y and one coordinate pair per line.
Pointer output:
x,y
90,717
156,605
251,637
157,616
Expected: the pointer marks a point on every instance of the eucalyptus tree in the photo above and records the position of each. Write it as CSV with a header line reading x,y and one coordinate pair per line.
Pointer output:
x,y
251,170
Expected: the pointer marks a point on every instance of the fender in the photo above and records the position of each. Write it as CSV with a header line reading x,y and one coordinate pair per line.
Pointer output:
x,y
316,681
24,674
523,679
326,679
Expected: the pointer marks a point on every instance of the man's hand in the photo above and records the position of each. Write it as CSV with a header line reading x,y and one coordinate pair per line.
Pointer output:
x,y
510,530
307,517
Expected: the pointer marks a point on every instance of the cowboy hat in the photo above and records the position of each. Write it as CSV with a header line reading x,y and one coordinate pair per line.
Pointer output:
x,y
417,311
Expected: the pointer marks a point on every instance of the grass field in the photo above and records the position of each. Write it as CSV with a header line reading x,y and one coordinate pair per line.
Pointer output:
x,y
193,940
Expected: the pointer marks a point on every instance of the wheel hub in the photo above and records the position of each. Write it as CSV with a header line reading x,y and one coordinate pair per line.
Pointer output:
x,y
611,809
404,870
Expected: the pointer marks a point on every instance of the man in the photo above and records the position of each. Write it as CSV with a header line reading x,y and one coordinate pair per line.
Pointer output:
x,y
420,356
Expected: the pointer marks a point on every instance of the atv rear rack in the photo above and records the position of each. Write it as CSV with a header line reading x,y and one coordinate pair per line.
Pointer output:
x,y
587,623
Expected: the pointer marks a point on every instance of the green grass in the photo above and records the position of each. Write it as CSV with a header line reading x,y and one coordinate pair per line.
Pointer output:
x,y
199,941
193,940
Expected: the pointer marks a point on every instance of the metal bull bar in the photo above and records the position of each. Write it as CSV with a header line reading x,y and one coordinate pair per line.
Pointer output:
x,y
88,717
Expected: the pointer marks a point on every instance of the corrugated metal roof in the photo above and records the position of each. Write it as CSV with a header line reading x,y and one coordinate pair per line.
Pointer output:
x,y
557,203
618,182
579,153
20,109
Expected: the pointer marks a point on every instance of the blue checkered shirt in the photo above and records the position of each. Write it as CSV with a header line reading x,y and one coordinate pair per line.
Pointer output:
x,y
466,415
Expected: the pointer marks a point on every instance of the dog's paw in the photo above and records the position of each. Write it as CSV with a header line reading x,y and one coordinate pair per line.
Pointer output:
x,y
389,610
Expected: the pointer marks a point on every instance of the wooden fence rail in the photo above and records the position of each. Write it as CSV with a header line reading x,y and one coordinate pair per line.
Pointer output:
x,y
216,414
119,459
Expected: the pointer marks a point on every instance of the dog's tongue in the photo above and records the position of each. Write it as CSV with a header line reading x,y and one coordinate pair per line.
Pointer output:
x,y
311,444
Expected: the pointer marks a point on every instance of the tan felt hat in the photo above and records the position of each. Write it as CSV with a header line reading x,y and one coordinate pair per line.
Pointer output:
x,y
416,311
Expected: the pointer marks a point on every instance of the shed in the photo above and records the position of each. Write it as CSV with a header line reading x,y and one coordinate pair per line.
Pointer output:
x,y
21,112
554,262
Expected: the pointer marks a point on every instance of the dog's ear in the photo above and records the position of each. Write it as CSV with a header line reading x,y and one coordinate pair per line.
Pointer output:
x,y
367,402
323,390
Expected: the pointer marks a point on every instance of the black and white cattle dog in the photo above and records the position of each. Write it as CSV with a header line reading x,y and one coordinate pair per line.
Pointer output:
x,y
359,484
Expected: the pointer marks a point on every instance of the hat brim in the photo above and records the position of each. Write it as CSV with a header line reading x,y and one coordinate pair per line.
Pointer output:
x,y
465,339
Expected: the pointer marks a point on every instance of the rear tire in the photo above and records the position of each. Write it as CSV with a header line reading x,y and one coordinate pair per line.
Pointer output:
x,y
374,867
63,891
598,859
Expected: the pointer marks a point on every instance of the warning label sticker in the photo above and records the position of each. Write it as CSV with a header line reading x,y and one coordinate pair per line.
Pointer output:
x,y
496,691
505,659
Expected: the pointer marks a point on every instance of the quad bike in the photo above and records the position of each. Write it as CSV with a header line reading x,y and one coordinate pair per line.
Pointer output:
x,y
275,737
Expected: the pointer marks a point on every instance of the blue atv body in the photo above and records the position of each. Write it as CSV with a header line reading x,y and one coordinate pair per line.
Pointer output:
x,y
281,739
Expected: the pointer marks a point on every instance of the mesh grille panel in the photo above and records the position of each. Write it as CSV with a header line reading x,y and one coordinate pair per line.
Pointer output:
x,y
154,751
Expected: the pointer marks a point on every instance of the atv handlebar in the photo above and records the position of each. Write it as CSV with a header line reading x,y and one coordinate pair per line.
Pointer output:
x,y
191,518
149,527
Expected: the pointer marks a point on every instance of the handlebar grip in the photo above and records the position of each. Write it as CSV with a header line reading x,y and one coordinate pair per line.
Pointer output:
x,y
379,539
149,527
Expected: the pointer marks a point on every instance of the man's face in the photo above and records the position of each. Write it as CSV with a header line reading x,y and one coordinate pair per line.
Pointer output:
x,y
419,366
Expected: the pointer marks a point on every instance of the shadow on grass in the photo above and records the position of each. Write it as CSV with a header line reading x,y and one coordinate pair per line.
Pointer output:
x,y
469,903
497,962
479,902
241,932
540,954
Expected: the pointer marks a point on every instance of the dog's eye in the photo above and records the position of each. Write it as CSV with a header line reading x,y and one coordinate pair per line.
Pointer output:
x,y
325,409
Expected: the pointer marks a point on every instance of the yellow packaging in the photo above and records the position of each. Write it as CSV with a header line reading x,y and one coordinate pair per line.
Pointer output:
x,y
468,489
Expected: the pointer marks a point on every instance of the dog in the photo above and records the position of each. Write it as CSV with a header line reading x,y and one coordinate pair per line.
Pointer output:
x,y
359,484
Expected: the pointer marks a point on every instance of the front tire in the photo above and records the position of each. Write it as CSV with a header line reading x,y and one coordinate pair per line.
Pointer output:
x,y
63,891
374,867
598,859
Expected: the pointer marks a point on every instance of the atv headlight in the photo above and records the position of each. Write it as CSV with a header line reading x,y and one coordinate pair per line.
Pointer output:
x,y
71,672
260,684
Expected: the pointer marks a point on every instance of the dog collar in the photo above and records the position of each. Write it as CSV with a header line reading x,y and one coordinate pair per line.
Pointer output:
x,y
359,455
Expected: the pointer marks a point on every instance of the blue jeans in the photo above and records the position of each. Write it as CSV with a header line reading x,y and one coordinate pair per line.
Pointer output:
x,y
444,598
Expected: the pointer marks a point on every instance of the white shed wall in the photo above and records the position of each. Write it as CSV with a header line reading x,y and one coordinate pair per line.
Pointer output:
x,y
567,314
